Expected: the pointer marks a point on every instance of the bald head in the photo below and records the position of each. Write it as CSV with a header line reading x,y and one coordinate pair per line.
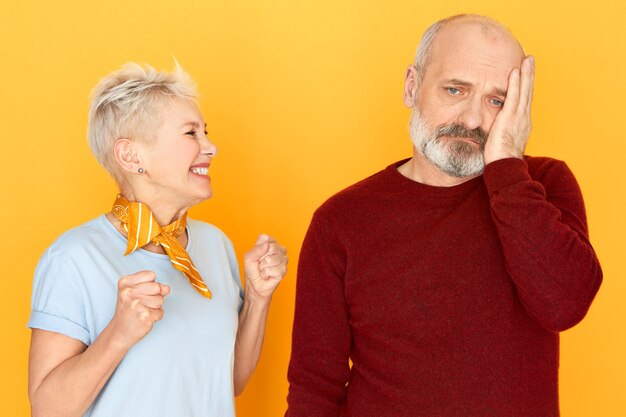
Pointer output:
x,y
460,30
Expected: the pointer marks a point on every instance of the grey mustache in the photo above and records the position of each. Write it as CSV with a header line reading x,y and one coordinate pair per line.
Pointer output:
x,y
458,131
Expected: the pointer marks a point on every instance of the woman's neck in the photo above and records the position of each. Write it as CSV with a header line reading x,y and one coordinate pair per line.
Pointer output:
x,y
165,211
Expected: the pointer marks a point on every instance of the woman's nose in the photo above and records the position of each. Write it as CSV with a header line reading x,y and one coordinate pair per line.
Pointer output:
x,y
207,147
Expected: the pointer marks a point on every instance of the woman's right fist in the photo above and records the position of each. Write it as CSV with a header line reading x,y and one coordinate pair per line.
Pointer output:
x,y
139,305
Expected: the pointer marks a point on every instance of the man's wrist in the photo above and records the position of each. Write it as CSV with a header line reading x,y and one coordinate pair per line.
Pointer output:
x,y
505,172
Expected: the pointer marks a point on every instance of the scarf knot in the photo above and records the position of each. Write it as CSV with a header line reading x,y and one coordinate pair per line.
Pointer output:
x,y
142,228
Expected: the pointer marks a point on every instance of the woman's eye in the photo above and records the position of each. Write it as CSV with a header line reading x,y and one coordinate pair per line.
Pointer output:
x,y
191,132
497,102
453,91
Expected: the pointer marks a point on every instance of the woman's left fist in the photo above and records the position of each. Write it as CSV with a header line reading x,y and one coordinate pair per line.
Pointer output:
x,y
265,266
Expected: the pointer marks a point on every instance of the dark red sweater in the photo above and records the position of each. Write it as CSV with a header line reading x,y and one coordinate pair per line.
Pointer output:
x,y
448,301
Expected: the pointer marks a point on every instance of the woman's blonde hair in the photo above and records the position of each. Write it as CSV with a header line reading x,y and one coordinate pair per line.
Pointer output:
x,y
127,104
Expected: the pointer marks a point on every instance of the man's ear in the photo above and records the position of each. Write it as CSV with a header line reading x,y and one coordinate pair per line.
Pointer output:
x,y
410,86
126,155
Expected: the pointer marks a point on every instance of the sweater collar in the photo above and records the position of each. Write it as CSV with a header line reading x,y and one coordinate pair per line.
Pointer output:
x,y
405,184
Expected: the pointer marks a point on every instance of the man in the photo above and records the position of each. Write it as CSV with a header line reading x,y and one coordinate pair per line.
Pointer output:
x,y
446,278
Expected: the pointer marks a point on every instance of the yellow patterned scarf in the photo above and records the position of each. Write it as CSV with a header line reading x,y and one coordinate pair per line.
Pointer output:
x,y
142,228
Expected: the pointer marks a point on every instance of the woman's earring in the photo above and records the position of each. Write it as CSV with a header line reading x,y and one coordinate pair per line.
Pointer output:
x,y
140,170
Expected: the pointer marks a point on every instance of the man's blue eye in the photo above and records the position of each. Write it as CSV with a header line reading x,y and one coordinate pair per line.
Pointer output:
x,y
497,102
453,91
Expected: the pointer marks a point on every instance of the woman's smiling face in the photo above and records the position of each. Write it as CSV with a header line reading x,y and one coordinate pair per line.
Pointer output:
x,y
177,159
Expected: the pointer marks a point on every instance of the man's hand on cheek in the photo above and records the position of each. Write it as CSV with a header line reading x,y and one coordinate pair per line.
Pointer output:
x,y
511,128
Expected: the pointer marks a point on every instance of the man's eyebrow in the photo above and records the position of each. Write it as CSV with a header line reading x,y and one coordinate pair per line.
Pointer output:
x,y
500,92
462,83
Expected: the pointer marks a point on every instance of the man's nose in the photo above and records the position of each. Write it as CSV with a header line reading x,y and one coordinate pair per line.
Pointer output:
x,y
472,116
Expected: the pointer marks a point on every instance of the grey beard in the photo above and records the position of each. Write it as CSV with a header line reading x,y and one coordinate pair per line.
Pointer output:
x,y
456,158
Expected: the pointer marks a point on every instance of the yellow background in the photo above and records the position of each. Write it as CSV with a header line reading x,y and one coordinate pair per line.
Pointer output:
x,y
303,98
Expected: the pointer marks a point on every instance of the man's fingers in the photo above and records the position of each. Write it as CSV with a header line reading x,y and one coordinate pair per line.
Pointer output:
x,y
526,85
512,93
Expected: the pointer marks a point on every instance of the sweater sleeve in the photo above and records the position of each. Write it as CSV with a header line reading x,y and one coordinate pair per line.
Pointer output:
x,y
319,367
543,231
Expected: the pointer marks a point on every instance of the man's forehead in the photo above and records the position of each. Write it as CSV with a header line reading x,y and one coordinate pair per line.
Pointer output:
x,y
475,33
469,46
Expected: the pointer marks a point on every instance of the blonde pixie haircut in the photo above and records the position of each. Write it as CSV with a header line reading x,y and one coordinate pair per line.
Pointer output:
x,y
127,103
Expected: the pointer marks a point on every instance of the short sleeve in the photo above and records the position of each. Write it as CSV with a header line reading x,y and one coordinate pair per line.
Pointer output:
x,y
58,300
234,267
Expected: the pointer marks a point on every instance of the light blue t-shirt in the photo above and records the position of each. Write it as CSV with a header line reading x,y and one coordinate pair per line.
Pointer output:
x,y
184,366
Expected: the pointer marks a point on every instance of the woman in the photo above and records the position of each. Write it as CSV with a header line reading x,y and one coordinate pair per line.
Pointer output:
x,y
140,312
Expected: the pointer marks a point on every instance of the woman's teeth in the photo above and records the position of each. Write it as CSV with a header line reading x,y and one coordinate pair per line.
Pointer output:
x,y
200,171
